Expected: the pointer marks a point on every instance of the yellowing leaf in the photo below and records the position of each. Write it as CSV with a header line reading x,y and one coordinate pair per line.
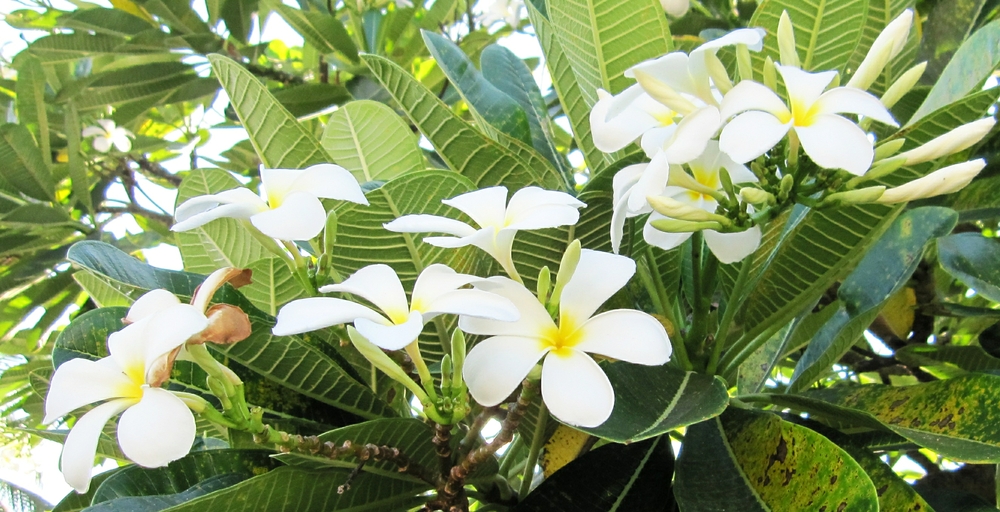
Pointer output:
x,y
898,312
133,8
565,445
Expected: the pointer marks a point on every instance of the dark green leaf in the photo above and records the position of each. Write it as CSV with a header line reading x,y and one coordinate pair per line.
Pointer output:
x,y
31,111
115,22
321,30
70,47
238,15
972,259
971,358
155,503
305,99
22,164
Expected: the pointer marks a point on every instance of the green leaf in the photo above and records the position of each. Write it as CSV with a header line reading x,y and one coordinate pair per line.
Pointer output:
x,y
22,163
155,503
238,15
369,139
273,285
490,106
102,293
894,493
826,33
465,150
974,61
410,435
31,112
954,417
279,139
183,473
756,370
511,76
74,502
567,87
321,30
305,99
292,489
148,84
752,461
653,400
971,258
603,38
178,14
293,362
971,358
222,242
70,47
77,168
881,273
86,336
114,22
610,478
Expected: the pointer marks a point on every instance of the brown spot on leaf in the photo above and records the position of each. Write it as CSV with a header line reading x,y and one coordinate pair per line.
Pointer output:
x,y
842,506
881,490
833,479
896,404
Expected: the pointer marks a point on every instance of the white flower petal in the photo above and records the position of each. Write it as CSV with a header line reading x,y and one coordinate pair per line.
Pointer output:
x,y
537,208
329,181
619,102
576,390
391,337
853,101
598,276
621,129
534,319
121,140
692,134
804,87
170,328
102,143
151,302
277,183
379,285
622,182
750,95
651,183
732,247
750,135
435,281
77,461
671,69
662,239
676,8
475,303
626,334
237,203
314,313
157,430
495,366
618,217
654,139
92,131
300,217
129,347
421,223
79,382
752,37
834,142
485,206
108,125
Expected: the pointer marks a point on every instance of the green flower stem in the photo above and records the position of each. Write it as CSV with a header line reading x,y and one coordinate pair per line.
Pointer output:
x,y
732,305
426,380
793,149
699,318
537,439
508,458
301,268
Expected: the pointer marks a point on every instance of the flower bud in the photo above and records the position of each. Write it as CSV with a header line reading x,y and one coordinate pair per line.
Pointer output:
x,y
458,348
676,8
743,62
952,142
380,360
859,196
717,70
887,45
681,226
903,85
755,195
544,285
677,210
785,187
663,93
786,41
567,267
770,74
942,181
887,149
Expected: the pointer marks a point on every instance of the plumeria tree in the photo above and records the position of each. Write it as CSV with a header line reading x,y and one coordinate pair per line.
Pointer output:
x,y
738,243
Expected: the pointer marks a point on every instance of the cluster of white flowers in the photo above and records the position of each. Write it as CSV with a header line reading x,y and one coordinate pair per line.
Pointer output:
x,y
684,110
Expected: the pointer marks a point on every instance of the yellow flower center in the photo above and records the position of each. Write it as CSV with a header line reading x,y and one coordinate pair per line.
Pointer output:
x,y
800,115
708,178
665,118
136,374
563,338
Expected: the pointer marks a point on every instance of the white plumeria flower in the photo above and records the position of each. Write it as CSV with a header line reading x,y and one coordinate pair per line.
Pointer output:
x,y
574,387
492,11
292,211
108,134
676,8
634,184
942,181
437,291
887,46
674,86
156,426
498,221
830,140
951,142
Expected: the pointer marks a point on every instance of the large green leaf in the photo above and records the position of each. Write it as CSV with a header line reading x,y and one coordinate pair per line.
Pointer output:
x,y
74,502
70,47
603,38
894,493
492,107
653,400
972,259
310,98
293,362
511,76
567,87
22,164
611,478
238,15
465,150
880,274
145,83
30,90
974,61
273,285
956,417
222,242
826,33
971,358
178,14
183,473
319,29
280,141
752,461
158,502
115,22
369,139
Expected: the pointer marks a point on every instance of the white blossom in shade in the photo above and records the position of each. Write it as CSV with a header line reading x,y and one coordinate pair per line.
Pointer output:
x,y
404,3
830,140
109,134
574,388
498,220
438,290
886,46
156,426
954,141
292,209
676,8
942,181
492,11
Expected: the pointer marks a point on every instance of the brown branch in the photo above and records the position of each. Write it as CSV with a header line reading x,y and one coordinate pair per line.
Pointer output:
x,y
274,74
156,170
138,210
